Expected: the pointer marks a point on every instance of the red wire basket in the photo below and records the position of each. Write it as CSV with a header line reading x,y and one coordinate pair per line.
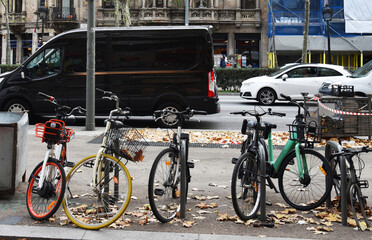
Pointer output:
x,y
53,131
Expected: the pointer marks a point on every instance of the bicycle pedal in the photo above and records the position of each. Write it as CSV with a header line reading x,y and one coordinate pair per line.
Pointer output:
x,y
234,160
69,164
364,184
190,164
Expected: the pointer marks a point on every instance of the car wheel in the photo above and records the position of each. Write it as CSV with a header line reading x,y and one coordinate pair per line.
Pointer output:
x,y
266,96
170,121
17,105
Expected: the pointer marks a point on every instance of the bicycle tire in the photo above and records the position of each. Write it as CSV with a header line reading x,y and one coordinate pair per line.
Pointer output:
x,y
358,202
163,189
331,148
245,182
183,174
94,207
42,204
305,194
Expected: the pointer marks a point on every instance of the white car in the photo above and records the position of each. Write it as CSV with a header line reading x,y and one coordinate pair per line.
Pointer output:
x,y
361,80
291,80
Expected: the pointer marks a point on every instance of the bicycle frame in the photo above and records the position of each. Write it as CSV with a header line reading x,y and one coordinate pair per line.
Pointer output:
x,y
103,147
289,146
53,151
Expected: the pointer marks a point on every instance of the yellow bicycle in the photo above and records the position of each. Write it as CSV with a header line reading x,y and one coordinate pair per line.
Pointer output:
x,y
99,187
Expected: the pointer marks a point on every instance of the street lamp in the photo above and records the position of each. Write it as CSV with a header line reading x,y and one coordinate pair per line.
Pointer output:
x,y
43,13
327,16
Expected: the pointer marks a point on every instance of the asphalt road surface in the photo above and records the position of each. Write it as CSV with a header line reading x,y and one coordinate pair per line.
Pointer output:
x,y
224,120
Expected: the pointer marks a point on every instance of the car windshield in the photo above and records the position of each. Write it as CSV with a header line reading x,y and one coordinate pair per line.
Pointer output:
x,y
363,71
281,70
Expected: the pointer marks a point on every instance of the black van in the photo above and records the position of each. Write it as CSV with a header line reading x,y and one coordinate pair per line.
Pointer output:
x,y
149,68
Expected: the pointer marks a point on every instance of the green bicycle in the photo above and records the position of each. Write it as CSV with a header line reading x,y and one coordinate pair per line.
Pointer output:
x,y
304,175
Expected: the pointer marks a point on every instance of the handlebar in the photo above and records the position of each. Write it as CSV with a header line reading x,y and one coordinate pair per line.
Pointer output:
x,y
181,116
299,117
108,95
63,112
350,152
255,113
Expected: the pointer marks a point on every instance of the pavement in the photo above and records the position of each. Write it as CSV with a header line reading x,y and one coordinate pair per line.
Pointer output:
x,y
210,177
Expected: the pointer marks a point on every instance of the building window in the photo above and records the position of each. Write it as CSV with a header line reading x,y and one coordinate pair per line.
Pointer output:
x,y
18,6
247,46
201,4
159,3
108,4
248,4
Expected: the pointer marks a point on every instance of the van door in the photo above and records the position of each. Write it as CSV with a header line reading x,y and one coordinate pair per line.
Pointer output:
x,y
42,74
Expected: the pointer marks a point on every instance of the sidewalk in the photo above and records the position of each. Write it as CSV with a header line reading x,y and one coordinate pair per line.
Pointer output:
x,y
210,177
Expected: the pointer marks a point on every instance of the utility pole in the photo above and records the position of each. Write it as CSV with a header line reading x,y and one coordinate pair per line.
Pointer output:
x,y
187,12
91,55
306,31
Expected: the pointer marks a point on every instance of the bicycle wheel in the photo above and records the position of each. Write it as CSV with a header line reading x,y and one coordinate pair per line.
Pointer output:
x,y
164,190
331,148
358,203
311,191
245,187
96,206
43,203
183,174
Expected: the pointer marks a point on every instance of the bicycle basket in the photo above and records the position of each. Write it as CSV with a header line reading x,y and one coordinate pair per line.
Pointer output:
x,y
308,133
51,130
127,142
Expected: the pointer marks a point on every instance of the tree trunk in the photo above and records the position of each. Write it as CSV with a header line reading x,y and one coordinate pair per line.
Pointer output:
x,y
306,31
122,13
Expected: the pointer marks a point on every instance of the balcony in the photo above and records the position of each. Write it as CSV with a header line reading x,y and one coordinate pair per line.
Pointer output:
x,y
17,22
169,16
63,19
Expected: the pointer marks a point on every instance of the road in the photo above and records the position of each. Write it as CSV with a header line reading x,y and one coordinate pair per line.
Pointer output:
x,y
224,120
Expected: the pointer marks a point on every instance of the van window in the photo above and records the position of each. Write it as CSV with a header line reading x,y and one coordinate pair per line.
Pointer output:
x,y
75,57
149,52
46,63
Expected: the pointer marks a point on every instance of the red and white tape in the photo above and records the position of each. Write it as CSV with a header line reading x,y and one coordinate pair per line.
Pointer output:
x,y
339,111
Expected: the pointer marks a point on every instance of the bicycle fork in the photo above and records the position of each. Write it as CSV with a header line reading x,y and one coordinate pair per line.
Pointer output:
x,y
49,153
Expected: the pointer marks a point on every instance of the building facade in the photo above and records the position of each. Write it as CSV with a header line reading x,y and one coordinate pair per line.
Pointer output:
x,y
349,48
239,26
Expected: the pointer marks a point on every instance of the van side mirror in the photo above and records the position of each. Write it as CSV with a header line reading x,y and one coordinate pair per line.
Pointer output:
x,y
284,77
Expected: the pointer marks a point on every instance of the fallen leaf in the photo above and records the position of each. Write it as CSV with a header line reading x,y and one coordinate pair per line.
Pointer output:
x,y
222,217
187,224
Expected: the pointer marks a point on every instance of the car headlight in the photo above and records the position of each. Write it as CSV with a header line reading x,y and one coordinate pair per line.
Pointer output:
x,y
325,85
247,84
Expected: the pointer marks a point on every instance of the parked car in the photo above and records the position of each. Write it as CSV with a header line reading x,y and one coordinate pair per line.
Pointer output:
x,y
361,80
291,80
149,68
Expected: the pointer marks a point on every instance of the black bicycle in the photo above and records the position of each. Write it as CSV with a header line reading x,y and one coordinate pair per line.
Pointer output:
x,y
352,173
170,172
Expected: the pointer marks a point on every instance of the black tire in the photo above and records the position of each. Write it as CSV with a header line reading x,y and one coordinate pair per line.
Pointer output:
x,y
171,121
311,191
358,204
164,186
42,204
266,96
18,105
245,187
184,183
331,148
